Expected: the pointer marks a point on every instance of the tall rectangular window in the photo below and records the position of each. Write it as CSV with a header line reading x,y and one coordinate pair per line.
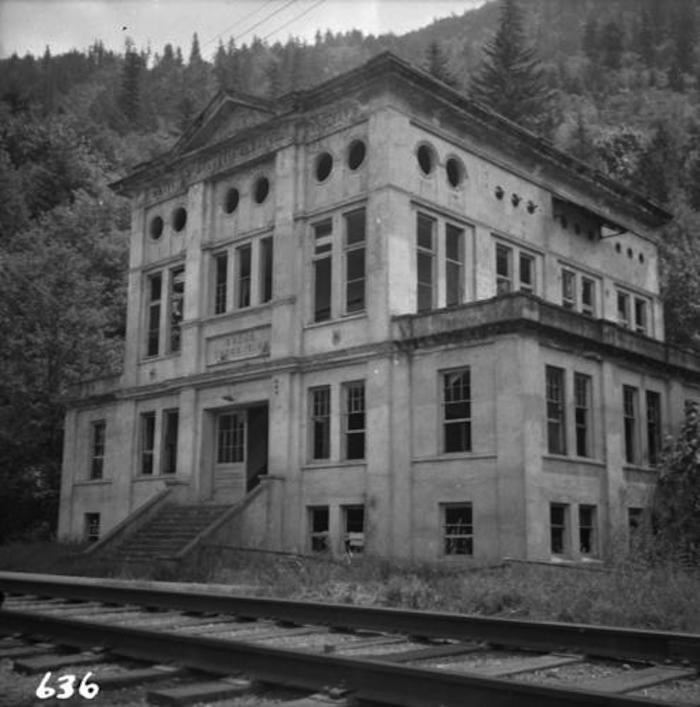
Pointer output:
x,y
230,438
556,429
582,413
504,269
454,265
653,426
558,528
629,406
527,272
323,250
587,531
354,519
457,412
354,419
458,529
623,309
99,429
568,289
147,441
171,420
266,263
176,306
425,258
588,296
318,525
92,527
221,282
355,261
321,422
155,283
243,263
640,315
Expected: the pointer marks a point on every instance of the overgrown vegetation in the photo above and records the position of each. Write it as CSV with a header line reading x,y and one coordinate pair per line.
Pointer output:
x,y
659,597
623,77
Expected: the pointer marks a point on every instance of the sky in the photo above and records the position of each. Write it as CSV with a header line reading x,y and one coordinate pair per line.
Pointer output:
x,y
31,25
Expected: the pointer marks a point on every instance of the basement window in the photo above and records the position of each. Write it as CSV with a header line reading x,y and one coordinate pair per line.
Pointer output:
x,y
458,530
354,529
318,523
558,528
92,527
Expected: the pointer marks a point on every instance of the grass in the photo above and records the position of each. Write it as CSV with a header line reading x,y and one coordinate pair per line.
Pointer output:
x,y
663,598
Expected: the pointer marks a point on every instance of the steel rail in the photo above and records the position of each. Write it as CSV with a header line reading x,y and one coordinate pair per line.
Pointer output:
x,y
603,641
367,679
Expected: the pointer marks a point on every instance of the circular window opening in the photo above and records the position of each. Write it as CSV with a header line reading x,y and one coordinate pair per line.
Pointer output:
x,y
426,159
455,172
618,248
356,154
641,257
179,218
324,166
262,189
231,203
630,254
156,229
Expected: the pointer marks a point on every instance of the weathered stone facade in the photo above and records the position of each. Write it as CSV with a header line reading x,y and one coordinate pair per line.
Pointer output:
x,y
425,332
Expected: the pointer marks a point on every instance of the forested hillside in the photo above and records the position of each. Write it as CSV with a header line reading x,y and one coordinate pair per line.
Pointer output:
x,y
625,81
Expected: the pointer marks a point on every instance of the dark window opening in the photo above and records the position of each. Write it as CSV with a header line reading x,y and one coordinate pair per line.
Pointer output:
x,y
458,530
354,539
243,260
454,265
558,528
425,262
582,401
356,154
457,411
318,522
623,309
179,219
587,296
556,429
455,172
231,202
156,229
355,261
354,420
629,404
154,298
568,289
504,269
262,189
323,250
92,527
321,423
527,273
221,284
266,263
426,159
171,420
99,430
587,530
177,306
148,437
324,166
653,426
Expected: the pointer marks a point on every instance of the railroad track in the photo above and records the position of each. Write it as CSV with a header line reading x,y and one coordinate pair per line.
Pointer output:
x,y
216,644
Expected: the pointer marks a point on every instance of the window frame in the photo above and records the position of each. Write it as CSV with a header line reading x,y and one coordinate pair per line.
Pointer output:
x,y
98,443
325,418
315,535
243,282
354,540
176,308
349,434
231,444
154,307
454,266
147,443
168,462
430,254
514,255
92,529
466,536
221,287
465,422
562,529
349,250
556,444
591,527
583,408
322,256
653,427
630,419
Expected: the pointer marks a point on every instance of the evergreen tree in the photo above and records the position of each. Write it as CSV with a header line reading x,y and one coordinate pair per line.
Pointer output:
x,y
436,64
589,43
612,45
645,40
130,97
510,80
195,55
659,166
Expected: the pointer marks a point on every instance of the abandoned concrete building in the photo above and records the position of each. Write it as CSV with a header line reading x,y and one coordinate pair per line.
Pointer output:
x,y
373,316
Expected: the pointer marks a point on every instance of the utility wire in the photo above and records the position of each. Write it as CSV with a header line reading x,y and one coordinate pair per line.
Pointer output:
x,y
264,19
294,19
237,22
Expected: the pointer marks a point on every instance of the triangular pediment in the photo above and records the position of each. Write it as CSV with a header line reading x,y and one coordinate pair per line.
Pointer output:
x,y
226,115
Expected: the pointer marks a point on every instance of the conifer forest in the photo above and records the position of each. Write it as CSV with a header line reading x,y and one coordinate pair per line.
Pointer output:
x,y
616,83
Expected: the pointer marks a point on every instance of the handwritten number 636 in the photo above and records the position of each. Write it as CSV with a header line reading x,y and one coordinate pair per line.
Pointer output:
x,y
66,687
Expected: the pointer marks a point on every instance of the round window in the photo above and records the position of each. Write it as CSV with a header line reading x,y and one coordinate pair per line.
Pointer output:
x,y
231,202
156,229
356,154
179,218
455,171
426,159
324,166
262,189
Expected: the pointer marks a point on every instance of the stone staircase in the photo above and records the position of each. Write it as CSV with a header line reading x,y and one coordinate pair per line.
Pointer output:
x,y
168,533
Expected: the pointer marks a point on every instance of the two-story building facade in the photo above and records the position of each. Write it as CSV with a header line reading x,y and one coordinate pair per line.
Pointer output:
x,y
394,322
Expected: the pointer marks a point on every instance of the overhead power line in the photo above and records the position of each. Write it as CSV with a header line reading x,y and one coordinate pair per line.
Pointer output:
x,y
238,22
294,19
